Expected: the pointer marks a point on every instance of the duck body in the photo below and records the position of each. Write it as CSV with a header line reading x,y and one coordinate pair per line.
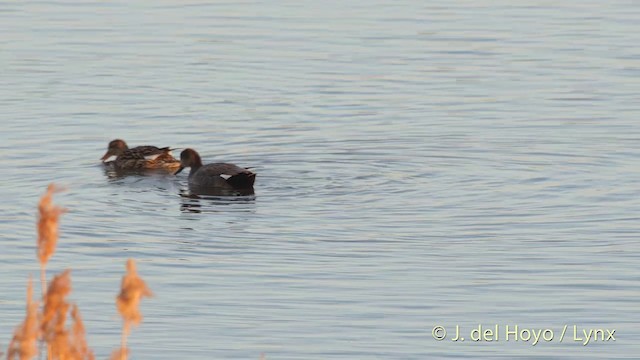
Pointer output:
x,y
140,157
216,175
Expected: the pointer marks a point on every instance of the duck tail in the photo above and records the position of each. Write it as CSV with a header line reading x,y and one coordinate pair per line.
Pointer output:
x,y
243,180
168,149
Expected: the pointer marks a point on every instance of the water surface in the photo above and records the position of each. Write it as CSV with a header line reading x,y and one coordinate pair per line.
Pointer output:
x,y
419,164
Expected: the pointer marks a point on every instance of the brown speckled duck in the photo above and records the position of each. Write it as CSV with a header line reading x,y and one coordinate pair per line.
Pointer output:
x,y
139,157
216,175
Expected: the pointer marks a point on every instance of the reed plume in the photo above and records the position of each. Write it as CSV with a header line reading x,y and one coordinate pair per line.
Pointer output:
x,y
48,219
55,313
63,343
48,323
79,339
23,344
132,290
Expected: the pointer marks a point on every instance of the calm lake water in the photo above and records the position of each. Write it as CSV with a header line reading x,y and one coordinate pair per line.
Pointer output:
x,y
420,163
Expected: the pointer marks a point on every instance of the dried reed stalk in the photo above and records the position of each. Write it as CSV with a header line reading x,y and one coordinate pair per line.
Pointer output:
x,y
119,354
23,344
132,290
48,219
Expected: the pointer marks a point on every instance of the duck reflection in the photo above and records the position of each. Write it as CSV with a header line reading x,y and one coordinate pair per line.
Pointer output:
x,y
114,173
192,201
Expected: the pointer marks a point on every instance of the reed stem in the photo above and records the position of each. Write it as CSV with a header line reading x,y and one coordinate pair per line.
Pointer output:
x,y
123,341
43,286
43,279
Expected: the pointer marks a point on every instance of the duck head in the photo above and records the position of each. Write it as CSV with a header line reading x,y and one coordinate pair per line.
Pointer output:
x,y
189,158
116,148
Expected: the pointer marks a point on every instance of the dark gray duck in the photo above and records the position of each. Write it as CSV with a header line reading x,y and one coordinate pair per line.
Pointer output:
x,y
216,175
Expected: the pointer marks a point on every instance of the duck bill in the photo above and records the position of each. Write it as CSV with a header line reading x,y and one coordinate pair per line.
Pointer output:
x,y
106,156
179,170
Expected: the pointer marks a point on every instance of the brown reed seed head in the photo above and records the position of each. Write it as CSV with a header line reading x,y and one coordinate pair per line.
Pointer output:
x,y
63,343
23,344
55,307
78,343
48,219
132,290
55,316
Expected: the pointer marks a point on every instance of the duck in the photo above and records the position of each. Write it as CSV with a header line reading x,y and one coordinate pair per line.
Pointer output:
x,y
216,175
140,157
